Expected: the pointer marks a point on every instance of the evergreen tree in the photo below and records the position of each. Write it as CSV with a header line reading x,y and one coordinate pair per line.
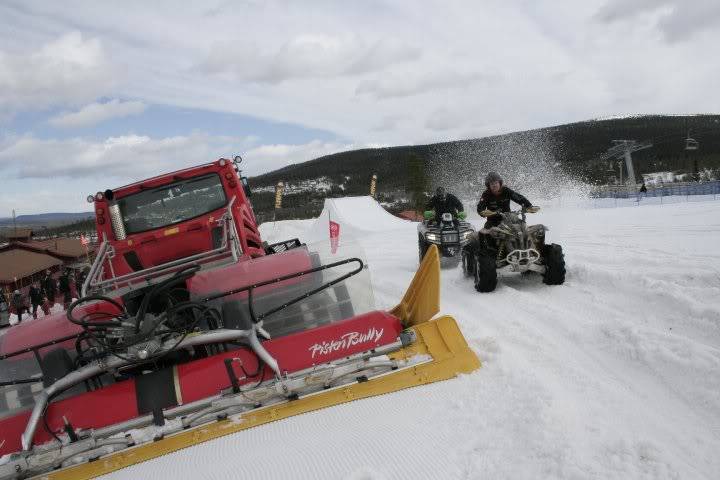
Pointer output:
x,y
417,181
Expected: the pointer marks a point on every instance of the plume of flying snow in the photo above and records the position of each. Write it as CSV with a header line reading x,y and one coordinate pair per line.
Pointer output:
x,y
528,163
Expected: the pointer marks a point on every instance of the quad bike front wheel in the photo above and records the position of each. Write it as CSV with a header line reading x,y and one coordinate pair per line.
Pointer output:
x,y
554,265
485,273
422,247
468,263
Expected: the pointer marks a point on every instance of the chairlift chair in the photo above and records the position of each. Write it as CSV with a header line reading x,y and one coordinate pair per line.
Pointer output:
x,y
691,144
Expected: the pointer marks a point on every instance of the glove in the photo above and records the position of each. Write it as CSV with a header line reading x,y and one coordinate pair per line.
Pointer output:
x,y
487,213
532,209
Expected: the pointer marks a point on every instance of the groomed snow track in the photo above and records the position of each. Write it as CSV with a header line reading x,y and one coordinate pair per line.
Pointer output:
x,y
614,375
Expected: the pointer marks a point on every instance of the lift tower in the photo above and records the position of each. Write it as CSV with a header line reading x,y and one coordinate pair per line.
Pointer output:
x,y
624,149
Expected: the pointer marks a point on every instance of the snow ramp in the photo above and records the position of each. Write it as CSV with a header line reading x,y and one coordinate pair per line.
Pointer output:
x,y
356,216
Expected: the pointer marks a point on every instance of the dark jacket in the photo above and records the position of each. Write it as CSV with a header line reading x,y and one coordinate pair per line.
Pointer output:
x,y
18,302
501,202
64,282
36,296
449,204
48,285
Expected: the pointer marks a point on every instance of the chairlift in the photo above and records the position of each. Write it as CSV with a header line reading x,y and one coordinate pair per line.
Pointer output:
x,y
691,144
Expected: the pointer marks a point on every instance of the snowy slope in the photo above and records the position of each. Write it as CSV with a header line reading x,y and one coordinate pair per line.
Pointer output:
x,y
615,374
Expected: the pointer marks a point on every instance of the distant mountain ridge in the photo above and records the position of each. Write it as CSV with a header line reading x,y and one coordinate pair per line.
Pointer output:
x,y
576,147
570,151
556,156
46,218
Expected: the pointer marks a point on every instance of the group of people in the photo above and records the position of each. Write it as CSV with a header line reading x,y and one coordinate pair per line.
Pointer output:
x,y
496,198
42,294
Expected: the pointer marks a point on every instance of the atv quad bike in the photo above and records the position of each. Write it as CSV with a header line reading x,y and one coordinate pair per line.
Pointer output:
x,y
190,328
450,234
512,246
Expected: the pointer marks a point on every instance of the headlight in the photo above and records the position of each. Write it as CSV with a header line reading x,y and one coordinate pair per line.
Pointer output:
x,y
465,235
432,237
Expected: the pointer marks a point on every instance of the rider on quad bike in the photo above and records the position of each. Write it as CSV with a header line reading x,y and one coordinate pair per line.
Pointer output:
x,y
443,202
496,198
506,242
445,227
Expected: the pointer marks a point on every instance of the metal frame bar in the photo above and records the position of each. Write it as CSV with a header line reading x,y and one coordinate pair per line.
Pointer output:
x,y
230,247
250,288
215,336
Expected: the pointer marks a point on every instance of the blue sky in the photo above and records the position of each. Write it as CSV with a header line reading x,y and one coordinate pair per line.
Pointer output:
x,y
167,121
233,134
100,94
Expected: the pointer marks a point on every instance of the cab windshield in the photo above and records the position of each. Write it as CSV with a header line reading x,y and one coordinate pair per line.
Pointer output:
x,y
173,203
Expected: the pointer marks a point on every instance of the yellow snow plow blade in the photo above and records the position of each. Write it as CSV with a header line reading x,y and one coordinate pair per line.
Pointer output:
x,y
422,298
439,338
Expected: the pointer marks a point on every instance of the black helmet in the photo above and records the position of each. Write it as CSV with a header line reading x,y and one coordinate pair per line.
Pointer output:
x,y
493,177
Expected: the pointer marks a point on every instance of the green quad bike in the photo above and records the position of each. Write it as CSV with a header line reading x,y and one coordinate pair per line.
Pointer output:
x,y
450,233
512,246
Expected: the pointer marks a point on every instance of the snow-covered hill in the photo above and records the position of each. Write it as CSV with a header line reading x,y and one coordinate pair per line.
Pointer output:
x,y
615,374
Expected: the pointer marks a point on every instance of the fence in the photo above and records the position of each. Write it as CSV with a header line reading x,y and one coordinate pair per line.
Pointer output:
x,y
664,190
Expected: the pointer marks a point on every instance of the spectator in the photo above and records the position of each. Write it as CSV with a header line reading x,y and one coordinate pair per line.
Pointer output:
x,y
64,283
49,287
45,305
18,303
36,297
72,276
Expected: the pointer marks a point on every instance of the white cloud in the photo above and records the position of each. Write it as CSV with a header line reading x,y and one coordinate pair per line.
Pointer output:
x,y
95,113
414,83
123,157
443,119
134,157
68,70
678,20
345,68
59,174
306,56
267,158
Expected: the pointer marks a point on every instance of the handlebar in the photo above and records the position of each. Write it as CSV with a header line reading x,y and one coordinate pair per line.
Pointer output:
x,y
489,213
430,214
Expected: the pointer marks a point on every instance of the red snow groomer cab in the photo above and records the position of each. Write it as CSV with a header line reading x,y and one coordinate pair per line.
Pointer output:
x,y
188,322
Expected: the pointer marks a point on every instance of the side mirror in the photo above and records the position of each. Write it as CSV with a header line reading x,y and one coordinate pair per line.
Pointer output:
x,y
462,215
429,214
246,186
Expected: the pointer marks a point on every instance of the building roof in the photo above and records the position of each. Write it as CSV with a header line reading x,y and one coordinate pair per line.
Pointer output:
x,y
19,233
20,263
64,247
